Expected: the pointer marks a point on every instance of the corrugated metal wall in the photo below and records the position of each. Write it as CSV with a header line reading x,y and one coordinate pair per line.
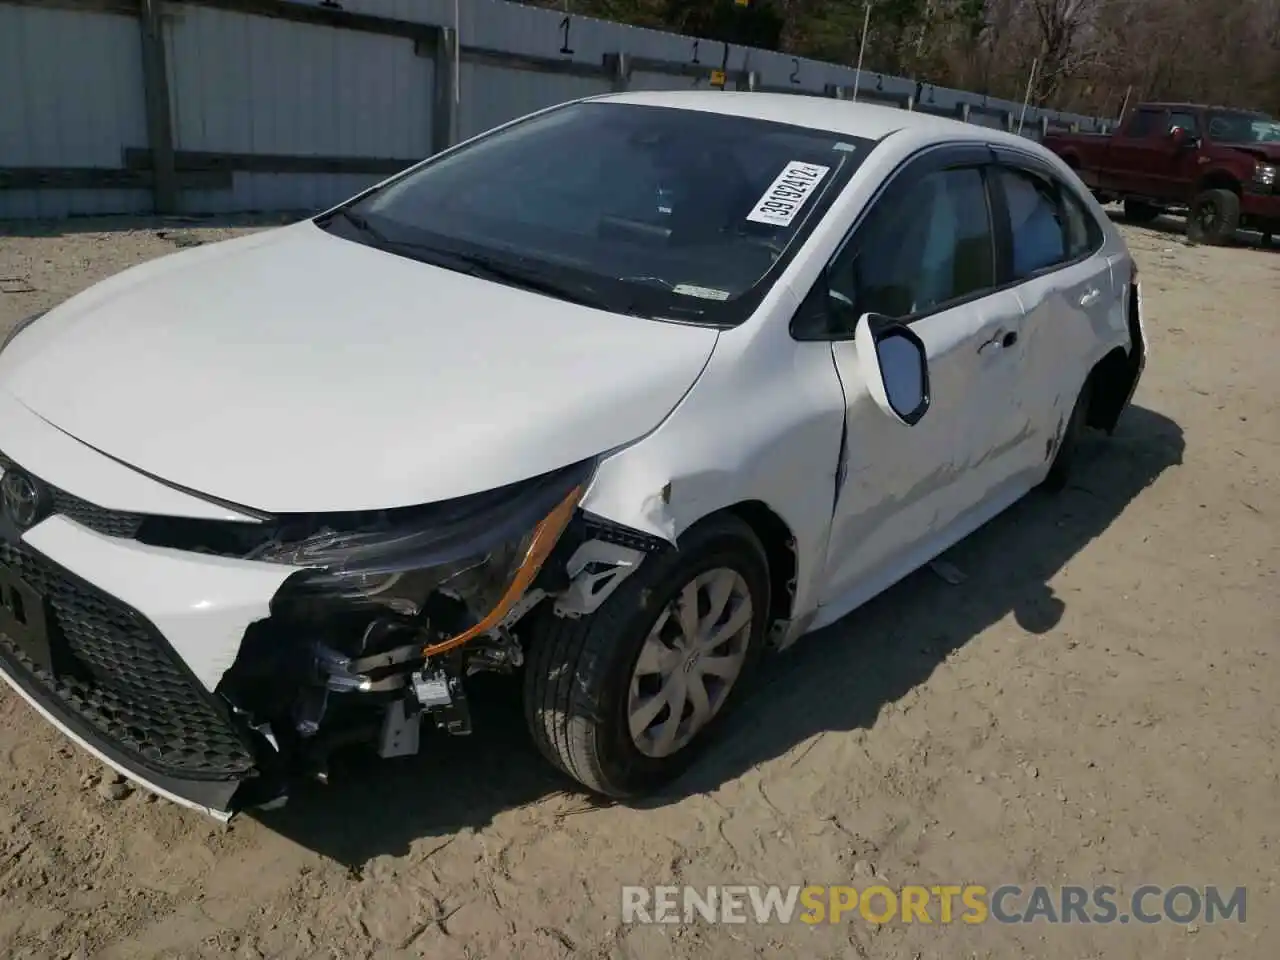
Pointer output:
x,y
246,84
70,96
499,94
252,84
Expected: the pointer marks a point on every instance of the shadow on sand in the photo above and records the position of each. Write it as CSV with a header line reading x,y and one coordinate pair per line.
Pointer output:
x,y
834,680
1172,226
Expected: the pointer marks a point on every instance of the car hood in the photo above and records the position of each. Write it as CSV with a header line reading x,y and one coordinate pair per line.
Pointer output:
x,y
294,371
1266,152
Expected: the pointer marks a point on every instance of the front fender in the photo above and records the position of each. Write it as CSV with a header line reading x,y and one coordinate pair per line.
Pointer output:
x,y
763,423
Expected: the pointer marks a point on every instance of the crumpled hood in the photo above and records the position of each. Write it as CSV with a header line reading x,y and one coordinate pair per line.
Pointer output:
x,y
294,371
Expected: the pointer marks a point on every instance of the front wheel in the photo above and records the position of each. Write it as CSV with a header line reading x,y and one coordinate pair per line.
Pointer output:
x,y
624,699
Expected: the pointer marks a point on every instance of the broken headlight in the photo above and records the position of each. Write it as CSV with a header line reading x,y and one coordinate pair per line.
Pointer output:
x,y
483,549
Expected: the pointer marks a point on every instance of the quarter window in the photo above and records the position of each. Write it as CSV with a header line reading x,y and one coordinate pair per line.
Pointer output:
x,y
925,244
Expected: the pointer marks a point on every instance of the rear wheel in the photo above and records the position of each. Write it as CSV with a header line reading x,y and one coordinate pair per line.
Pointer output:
x,y
1073,432
624,699
1214,217
1139,211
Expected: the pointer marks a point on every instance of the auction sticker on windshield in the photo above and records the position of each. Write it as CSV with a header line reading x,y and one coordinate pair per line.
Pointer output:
x,y
787,194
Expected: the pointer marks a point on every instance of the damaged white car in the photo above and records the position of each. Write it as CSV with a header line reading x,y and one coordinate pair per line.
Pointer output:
x,y
616,395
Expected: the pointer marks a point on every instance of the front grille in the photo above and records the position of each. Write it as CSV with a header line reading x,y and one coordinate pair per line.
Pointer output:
x,y
111,523
125,681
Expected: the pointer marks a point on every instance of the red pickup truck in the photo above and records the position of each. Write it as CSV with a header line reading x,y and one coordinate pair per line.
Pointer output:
x,y
1219,165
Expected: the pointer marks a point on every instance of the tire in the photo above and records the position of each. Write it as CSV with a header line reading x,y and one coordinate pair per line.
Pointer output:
x,y
1214,217
579,674
1072,434
1138,211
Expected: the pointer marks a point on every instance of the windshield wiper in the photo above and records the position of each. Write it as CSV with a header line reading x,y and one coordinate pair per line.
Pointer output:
x,y
489,269
361,223
478,266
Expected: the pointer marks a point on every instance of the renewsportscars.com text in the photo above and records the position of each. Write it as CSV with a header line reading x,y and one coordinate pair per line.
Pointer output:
x,y
937,904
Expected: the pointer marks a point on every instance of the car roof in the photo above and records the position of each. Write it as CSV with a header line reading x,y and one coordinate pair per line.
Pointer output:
x,y
868,120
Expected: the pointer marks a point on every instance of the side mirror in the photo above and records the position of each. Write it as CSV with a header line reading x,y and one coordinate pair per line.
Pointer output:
x,y
1180,137
895,367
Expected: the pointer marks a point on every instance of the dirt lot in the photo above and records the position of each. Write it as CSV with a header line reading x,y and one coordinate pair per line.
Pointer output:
x,y
1097,703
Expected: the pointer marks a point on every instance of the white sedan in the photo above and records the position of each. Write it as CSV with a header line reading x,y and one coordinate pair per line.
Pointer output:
x,y
614,396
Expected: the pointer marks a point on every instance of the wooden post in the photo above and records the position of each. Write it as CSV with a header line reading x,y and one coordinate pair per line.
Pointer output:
x,y
155,82
444,110
1031,79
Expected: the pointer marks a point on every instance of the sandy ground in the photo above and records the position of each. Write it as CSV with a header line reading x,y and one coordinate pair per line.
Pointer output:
x,y
1095,704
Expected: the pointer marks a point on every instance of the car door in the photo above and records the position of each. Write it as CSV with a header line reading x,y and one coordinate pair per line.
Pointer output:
x,y
925,254
1051,254
1131,155
1184,163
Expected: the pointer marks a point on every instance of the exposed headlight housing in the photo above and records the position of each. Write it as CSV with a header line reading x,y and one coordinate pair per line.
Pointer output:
x,y
18,327
1264,174
484,550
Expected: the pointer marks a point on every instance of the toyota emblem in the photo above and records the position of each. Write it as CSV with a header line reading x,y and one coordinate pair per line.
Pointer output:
x,y
23,497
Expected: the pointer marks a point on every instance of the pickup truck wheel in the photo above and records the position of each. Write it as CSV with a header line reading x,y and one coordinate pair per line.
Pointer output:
x,y
1138,211
1214,217
625,698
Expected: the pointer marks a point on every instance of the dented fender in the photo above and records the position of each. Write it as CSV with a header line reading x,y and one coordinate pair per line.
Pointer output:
x,y
762,425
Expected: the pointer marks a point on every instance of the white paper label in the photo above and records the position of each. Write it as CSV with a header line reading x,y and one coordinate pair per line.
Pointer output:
x,y
706,293
787,194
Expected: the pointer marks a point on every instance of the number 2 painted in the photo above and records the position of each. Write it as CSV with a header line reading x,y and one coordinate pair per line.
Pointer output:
x,y
795,70
564,33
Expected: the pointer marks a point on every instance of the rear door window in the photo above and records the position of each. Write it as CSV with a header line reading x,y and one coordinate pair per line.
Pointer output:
x,y
1037,222
1084,235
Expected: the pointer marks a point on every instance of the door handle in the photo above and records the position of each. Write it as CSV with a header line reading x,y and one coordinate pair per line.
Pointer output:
x,y
1090,298
1002,340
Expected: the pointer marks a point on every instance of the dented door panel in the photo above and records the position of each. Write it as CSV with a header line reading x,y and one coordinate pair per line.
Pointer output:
x,y
1062,340
907,487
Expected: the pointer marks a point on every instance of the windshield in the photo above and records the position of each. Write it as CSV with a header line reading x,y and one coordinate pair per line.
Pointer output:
x,y
1232,127
660,212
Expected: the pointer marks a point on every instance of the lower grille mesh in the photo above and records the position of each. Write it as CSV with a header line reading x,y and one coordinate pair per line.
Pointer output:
x,y
127,683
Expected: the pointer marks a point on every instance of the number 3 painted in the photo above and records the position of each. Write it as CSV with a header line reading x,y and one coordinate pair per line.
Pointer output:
x,y
795,70
564,29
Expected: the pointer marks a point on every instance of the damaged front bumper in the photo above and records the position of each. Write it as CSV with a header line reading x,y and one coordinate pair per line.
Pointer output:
x,y
78,645
208,680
